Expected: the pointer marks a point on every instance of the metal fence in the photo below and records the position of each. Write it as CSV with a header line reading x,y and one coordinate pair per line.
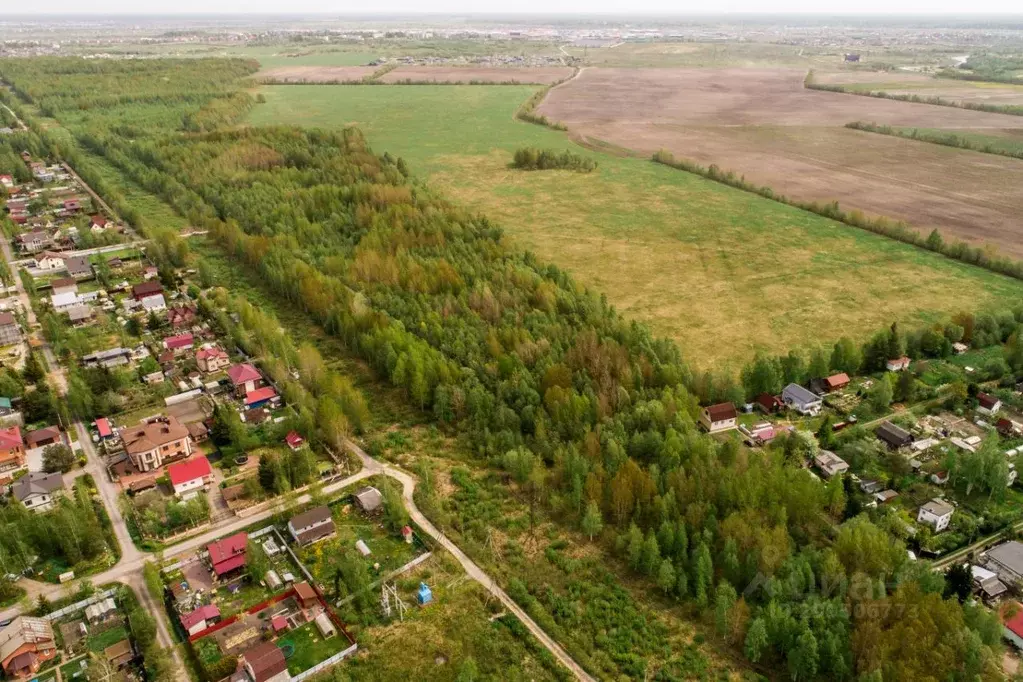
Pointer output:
x,y
78,606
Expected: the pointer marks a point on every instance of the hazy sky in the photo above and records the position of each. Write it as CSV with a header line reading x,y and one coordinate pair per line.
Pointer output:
x,y
347,7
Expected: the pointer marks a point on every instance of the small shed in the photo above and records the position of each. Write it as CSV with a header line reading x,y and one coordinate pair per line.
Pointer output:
x,y
362,547
368,499
424,596
306,595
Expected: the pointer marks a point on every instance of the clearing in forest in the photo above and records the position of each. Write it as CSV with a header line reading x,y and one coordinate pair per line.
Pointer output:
x,y
723,272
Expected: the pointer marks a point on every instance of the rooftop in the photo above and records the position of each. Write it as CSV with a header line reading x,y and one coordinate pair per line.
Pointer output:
x,y
183,472
148,436
36,483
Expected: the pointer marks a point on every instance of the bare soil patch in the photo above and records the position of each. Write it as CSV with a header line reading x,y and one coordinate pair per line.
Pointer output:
x,y
543,75
763,124
317,74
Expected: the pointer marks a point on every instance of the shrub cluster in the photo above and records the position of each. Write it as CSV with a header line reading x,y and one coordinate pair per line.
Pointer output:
x,y
529,158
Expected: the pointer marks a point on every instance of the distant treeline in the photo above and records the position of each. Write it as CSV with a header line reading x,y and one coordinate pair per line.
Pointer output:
x,y
1012,110
947,139
983,257
529,158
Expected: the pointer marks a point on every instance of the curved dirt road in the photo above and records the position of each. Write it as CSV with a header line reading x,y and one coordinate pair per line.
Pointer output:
x,y
408,485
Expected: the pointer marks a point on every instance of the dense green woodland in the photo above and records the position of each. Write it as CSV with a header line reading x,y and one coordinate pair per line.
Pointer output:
x,y
588,413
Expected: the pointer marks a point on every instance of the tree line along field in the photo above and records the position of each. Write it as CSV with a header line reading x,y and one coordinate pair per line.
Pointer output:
x,y
722,272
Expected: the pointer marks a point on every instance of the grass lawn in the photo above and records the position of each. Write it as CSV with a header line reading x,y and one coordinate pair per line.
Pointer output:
x,y
311,647
722,272
107,638
75,669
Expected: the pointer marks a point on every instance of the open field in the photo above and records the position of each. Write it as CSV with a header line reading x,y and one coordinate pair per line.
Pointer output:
x,y
316,74
764,125
903,83
464,74
723,272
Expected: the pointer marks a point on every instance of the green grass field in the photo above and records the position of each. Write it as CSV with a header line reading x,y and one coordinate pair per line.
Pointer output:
x,y
723,272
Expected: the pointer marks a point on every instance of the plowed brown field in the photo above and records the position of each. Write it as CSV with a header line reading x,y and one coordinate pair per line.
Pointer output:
x,y
763,124
464,74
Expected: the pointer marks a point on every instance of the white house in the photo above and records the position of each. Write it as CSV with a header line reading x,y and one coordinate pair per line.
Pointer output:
x,y
802,400
720,417
50,261
936,513
898,364
988,404
36,490
189,477
65,300
153,304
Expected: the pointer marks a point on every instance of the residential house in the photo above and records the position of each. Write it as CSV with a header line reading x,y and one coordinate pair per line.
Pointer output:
x,y
79,315
936,513
959,348
179,343
227,555
40,438
97,222
802,400
64,285
154,304
37,491
113,357
898,364
312,526
836,382
830,464
10,332
987,584
6,408
50,260
893,436
988,404
368,499
78,266
64,301
939,477
189,477
12,453
294,440
211,359
119,655
885,496
152,443
201,618
769,404
150,272
1008,428
1006,560
1012,628
244,378
25,645
143,291
101,611
7,181
103,428
265,663
181,316
30,242
720,417
262,397
198,431
72,206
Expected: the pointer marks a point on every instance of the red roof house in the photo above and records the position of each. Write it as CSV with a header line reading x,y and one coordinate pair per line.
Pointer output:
x,y
145,290
103,426
198,619
228,554
243,374
98,221
72,205
190,475
294,440
837,381
260,397
279,623
179,341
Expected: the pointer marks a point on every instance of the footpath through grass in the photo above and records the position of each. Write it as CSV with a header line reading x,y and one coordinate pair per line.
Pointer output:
x,y
721,271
